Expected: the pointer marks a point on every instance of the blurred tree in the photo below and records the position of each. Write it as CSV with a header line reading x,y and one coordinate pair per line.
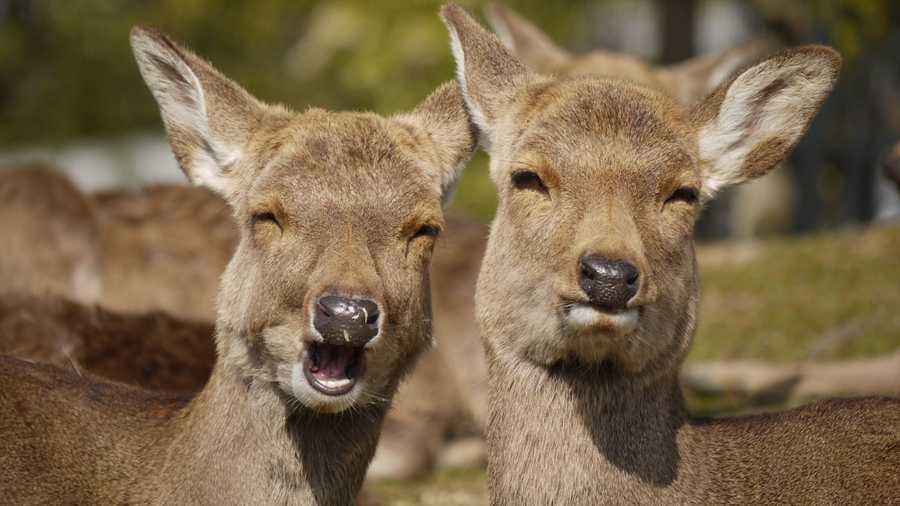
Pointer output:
x,y
66,70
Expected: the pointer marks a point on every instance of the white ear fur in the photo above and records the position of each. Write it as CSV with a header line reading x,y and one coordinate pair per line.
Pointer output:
x,y
752,122
180,94
476,113
485,69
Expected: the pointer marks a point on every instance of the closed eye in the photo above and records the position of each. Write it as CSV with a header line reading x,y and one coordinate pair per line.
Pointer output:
x,y
264,217
688,195
426,231
527,180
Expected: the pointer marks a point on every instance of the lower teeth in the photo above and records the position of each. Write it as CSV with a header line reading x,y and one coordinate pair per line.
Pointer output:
x,y
334,383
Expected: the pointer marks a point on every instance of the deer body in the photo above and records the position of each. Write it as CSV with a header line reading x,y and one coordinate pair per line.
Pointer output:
x,y
323,309
153,350
113,444
588,296
583,439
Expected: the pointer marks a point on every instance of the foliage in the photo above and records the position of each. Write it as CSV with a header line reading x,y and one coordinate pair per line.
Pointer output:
x,y
66,69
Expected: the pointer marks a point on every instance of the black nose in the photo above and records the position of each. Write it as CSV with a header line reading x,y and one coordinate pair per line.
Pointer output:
x,y
344,321
609,284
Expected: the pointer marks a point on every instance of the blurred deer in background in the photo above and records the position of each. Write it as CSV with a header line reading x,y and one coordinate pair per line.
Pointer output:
x,y
764,206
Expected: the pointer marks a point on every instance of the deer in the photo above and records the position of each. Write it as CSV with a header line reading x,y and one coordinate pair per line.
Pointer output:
x,y
153,350
160,239
756,209
51,244
686,82
588,295
157,255
322,310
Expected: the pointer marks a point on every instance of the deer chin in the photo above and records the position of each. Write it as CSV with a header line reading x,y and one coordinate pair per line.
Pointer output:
x,y
328,378
591,318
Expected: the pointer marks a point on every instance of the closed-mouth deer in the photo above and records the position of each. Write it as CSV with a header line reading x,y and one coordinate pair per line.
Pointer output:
x,y
321,312
588,295
686,82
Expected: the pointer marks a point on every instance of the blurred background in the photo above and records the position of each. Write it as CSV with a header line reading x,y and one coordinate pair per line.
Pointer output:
x,y
70,91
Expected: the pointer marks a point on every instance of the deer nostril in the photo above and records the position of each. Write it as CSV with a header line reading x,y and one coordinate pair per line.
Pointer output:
x,y
587,272
609,284
345,321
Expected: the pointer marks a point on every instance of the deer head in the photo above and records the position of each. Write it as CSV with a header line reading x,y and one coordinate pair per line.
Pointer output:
x,y
327,295
600,181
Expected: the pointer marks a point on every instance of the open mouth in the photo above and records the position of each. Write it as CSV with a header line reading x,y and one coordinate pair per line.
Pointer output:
x,y
332,369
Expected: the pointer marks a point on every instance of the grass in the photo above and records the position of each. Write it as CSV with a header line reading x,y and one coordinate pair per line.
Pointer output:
x,y
821,297
449,487
825,296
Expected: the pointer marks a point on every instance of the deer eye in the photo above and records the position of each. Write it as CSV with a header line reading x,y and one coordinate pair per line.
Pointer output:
x,y
688,195
527,180
426,231
264,217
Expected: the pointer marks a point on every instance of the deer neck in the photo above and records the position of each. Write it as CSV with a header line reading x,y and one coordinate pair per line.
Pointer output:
x,y
577,434
260,443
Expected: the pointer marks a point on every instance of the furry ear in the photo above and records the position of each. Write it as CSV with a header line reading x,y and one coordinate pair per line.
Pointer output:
x,y
525,40
750,123
208,117
446,136
486,70
690,80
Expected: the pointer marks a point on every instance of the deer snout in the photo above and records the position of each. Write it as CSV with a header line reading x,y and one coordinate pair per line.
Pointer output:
x,y
345,321
608,284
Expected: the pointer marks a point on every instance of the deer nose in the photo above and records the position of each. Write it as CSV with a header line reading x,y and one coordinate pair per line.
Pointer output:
x,y
345,321
608,284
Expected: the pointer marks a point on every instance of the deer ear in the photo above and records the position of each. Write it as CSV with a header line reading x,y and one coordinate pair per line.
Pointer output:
x,y
446,136
750,123
525,40
690,80
486,70
208,117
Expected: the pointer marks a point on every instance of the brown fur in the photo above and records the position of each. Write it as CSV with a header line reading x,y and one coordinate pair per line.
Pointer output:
x,y
686,82
328,203
446,396
164,248
50,243
585,405
151,350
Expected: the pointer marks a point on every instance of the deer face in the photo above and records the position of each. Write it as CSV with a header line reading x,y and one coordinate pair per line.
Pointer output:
x,y
591,257
327,296
330,280
603,178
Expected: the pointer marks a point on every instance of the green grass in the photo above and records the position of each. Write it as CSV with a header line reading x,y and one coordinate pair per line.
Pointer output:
x,y
450,487
823,296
